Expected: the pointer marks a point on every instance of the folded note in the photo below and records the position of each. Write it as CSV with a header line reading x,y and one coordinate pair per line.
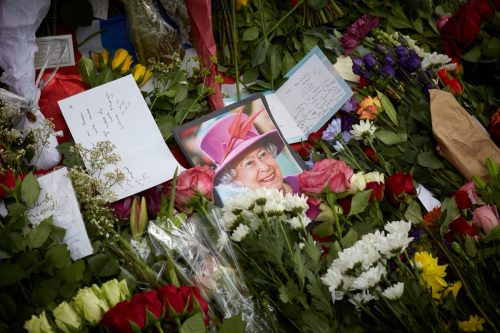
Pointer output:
x,y
57,199
117,112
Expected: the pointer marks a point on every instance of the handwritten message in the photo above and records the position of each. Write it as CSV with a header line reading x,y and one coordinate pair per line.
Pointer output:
x,y
117,112
57,199
313,93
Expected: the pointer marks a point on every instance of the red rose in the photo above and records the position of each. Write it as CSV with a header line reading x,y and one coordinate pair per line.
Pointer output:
x,y
118,318
370,153
462,200
397,186
328,172
172,299
192,182
482,7
199,303
461,227
377,190
8,180
496,3
149,300
346,205
302,148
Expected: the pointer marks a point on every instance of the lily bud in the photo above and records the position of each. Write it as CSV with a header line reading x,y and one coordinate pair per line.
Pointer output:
x,y
138,216
100,59
121,61
141,74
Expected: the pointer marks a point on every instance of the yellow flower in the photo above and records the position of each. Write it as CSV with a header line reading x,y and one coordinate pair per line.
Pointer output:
x,y
432,274
121,61
368,108
100,59
474,324
141,74
454,288
241,3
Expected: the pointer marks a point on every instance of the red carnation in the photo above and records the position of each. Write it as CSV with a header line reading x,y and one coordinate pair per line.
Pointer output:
x,y
377,190
118,318
462,200
397,186
461,227
8,180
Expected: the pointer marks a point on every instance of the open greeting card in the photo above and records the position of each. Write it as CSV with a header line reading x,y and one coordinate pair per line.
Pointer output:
x,y
313,93
118,113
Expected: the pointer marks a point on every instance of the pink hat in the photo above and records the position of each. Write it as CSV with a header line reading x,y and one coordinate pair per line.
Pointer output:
x,y
231,135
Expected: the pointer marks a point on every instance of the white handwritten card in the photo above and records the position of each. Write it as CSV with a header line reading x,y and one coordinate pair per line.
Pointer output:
x,y
427,198
313,92
57,199
118,113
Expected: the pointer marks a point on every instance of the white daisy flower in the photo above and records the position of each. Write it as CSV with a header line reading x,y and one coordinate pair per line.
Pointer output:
x,y
437,60
398,227
396,243
362,298
369,278
240,233
363,131
394,292
295,201
228,219
332,279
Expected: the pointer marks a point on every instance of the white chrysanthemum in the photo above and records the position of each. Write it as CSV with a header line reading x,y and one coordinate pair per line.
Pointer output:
x,y
374,176
240,233
396,243
301,245
369,278
274,206
332,279
363,131
398,227
357,182
228,219
362,298
295,223
394,292
252,220
437,60
348,258
296,202
370,254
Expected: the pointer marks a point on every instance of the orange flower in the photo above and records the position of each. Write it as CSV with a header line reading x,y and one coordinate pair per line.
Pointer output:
x,y
241,3
368,108
431,217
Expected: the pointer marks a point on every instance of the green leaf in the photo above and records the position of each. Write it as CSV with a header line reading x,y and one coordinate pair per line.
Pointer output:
x,y
299,264
491,49
349,239
165,124
413,212
71,157
18,242
418,25
470,247
388,107
88,71
4,255
74,272
250,34
233,324
103,265
259,56
30,189
38,236
250,76
473,55
194,324
58,255
275,61
10,274
104,77
429,160
16,209
46,291
360,202
288,62
390,138
181,93
309,42
324,229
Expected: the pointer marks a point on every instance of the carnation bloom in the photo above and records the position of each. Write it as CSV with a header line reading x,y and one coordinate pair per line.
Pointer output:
x,y
432,274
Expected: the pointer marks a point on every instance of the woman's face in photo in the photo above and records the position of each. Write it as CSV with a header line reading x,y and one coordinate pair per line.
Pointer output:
x,y
258,168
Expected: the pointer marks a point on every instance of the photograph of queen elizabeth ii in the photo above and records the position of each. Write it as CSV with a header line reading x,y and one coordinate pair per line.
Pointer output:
x,y
244,147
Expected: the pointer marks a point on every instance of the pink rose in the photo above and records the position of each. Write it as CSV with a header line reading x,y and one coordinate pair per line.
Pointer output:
x,y
441,21
471,192
486,217
328,172
197,181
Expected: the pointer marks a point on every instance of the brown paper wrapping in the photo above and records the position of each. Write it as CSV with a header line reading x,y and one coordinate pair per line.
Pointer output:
x,y
462,140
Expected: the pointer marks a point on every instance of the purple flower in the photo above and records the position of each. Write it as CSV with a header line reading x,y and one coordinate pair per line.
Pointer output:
x,y
350,105
387,70
347,122
381,48
369,60
356,32
389,60
122,208
357,62
402,51
153,201
309,163
412,62
360,71
334,129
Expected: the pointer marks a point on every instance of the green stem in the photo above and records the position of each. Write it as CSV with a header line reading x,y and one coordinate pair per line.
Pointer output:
x,y
235,49
266,36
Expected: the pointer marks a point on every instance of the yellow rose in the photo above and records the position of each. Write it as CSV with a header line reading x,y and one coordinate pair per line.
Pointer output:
x,y
115,291
121,61
100,59
141,74
368,108
90,305
241,3
66,318
39,324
